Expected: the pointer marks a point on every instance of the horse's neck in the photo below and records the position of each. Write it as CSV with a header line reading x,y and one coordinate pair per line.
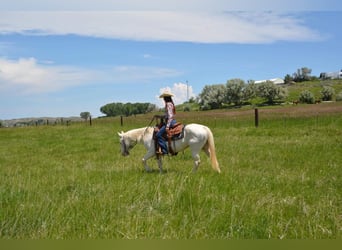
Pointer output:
x,y
138,134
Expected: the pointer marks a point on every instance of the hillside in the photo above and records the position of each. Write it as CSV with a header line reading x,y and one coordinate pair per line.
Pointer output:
x,y
314,86
35,121
294,90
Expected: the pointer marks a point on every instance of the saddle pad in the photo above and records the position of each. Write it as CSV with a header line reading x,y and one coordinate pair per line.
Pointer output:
x,y
177,131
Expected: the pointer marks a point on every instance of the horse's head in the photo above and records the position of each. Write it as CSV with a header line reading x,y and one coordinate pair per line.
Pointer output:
x,y
123,144
126,143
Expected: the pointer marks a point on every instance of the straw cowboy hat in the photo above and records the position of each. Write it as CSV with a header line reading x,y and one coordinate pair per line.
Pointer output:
x,y
166,94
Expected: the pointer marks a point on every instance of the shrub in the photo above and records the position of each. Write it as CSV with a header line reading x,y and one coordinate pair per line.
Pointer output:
x,y
271,92
306,97
327,93
339,97
187,108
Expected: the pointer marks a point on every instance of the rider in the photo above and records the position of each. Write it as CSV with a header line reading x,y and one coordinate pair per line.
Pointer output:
x,y
170,112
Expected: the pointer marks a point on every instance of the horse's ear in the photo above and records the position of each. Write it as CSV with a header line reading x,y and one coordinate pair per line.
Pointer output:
x,y
120,133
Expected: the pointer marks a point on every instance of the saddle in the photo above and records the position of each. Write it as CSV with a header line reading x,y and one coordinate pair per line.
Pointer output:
x,y
176,132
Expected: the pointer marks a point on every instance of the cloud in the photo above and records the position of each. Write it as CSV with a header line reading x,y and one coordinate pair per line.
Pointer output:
x,y
27,76
174,5
181,91
146,56
5,47
138,74
196,27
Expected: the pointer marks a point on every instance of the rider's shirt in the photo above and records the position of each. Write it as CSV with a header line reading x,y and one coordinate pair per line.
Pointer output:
x,y
170,114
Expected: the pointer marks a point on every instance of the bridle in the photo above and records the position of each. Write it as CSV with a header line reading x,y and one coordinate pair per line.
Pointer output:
x,y
126,149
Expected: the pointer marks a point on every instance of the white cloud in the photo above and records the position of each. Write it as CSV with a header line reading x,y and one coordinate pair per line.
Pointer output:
x,y
181,91
174,5
137,74
146,56
27,76
5,47
198,27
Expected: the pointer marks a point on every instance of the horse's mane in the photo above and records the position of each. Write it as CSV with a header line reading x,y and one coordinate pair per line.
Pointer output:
x,y
138,133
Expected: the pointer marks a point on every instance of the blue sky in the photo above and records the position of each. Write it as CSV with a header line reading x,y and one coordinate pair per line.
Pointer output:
x,y
60,58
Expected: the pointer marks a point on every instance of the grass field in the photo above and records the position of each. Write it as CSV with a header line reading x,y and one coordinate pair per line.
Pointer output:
x,y
282,180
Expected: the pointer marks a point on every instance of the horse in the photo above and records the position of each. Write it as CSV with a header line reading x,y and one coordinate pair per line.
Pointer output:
x,y
196,136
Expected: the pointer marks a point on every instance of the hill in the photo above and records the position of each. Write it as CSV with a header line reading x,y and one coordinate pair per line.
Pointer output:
x,y
314,87
35,121
294,90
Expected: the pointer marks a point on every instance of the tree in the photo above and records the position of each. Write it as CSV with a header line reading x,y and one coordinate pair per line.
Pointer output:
x,y
271,92
212,96
339,97
127,109
327,93
303,74
85,115
234,91
288,79
249,91
306,97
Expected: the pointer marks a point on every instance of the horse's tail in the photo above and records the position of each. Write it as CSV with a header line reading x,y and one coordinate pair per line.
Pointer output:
x,y
212,151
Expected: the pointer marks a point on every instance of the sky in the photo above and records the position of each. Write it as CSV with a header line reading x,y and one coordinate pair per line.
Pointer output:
x,y
59,58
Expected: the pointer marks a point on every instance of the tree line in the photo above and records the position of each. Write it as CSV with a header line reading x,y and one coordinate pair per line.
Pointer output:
x,y
127,109
237,92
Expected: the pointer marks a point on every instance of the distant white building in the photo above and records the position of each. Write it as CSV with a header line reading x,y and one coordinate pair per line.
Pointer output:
x,y
331,75
276,81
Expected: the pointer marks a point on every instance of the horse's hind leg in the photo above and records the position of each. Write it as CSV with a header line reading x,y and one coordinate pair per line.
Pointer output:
x,y
206,149
197,161
195,152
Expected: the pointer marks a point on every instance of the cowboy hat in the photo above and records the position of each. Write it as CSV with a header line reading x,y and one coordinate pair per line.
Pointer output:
x,y
166,94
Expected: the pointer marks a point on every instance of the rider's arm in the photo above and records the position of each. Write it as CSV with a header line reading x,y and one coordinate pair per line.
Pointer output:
x,y
170,115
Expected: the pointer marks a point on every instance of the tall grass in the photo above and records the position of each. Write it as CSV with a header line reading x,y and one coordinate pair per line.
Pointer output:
x,y
281,180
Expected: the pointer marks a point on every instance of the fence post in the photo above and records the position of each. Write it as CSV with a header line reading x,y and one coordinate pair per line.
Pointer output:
x,y
256,114
121,120
90,120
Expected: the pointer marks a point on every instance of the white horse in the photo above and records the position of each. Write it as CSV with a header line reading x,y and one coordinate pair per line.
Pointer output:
x,y
197,137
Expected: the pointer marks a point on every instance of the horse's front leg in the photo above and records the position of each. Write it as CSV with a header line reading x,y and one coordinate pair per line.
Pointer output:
x,y
147,156
160,164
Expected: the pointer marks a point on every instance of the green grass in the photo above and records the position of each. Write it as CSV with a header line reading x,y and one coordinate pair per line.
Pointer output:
x,y
315,87
281,180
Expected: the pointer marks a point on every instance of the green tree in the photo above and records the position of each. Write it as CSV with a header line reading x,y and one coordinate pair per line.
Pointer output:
x,y
249,91
339,97
85,115
288,79
212,96
234,91
306,97
127,109
303,74
271,92
327,93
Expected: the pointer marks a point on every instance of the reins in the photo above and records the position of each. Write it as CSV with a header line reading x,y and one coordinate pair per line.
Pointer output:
x,y
149,125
